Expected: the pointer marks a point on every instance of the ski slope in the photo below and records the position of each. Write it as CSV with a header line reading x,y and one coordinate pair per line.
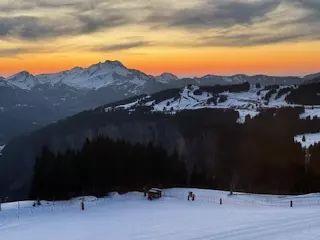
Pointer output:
x,y
130,216
310,139
247,103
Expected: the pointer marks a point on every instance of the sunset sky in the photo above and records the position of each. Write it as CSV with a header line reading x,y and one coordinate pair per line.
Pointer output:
x,y
188,38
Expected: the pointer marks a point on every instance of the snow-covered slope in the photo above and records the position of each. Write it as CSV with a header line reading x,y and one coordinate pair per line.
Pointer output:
x,y
131,216
23,80
311,76
115,74
36,100
245,102
109,73
166,77
264,80
4,83
308,139
96,76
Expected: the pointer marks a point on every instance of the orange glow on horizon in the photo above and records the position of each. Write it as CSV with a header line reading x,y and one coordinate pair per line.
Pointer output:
x,y
147,36
296,59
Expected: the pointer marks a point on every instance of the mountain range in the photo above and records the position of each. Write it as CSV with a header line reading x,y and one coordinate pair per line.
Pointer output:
x,y
28,102
201,123
195,116
114,74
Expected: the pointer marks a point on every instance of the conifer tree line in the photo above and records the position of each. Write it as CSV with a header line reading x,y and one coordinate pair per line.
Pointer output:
x,y
105,165
258,156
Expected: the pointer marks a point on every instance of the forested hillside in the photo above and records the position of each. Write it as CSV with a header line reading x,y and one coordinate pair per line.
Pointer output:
x,y
104,165
239,136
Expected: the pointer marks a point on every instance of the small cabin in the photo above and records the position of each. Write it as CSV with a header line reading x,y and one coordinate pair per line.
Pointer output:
x,y
154,193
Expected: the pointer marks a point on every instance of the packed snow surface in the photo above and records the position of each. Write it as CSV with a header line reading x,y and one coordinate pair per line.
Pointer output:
x,y
310,139
131,216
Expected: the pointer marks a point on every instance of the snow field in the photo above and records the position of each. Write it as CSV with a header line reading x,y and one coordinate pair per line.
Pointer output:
x,y
245,103
310,139
131,216
310,111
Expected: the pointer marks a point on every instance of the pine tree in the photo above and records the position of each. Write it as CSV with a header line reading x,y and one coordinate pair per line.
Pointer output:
x,y
104,165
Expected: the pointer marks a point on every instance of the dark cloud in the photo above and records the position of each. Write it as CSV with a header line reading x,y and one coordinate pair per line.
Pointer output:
x,y
215,22
23,5
82,17
26,27
219,21
237,23
93,23
31,28
122,46
247,39
214,14
308,4
12,51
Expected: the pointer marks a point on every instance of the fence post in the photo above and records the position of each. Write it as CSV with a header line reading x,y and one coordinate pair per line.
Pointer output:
x,y
82,205
220,201
18,210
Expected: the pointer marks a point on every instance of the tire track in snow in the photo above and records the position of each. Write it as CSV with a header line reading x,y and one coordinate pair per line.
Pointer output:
x,y
265,229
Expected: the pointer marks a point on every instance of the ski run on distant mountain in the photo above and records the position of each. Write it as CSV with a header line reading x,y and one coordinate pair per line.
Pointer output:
x,y
247,102
308,139
29,102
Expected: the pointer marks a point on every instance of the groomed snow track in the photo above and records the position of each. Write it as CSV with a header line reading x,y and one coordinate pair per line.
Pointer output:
x,y
130,216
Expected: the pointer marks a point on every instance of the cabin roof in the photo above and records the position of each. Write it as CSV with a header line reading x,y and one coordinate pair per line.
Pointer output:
x,y
155,190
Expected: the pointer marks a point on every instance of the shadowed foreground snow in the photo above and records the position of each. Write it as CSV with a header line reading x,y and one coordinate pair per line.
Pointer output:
x,y
130,216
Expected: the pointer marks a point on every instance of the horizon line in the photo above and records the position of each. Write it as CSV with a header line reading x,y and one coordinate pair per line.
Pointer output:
x,y
180,76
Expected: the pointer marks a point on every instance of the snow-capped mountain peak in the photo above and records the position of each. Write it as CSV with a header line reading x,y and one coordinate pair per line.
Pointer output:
x,y
102,74
106,66
3,82
115,75
166,77
23,80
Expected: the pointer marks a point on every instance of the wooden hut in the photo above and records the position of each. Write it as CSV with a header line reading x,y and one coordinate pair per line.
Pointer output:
x,y
154,193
